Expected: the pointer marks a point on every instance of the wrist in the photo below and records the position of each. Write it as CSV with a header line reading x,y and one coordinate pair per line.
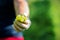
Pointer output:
x,y
25,14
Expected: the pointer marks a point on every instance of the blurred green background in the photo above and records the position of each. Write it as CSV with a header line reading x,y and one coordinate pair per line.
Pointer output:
x,y
45,17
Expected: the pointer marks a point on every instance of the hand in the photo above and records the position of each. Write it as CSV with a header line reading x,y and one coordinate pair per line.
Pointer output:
x,y
21,26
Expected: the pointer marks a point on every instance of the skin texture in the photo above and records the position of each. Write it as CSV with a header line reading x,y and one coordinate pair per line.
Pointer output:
x,y
21,7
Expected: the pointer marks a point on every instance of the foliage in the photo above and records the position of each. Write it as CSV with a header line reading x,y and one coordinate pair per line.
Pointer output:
x,y
42,26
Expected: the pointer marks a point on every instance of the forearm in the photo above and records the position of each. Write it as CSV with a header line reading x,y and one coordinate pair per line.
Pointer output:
x,y
21,7
22,22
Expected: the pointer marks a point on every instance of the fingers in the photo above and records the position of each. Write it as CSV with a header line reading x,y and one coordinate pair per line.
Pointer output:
x,y
28,24
17,29
18,26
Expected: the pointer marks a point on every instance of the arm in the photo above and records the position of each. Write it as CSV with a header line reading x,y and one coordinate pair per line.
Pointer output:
x,y
21,7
